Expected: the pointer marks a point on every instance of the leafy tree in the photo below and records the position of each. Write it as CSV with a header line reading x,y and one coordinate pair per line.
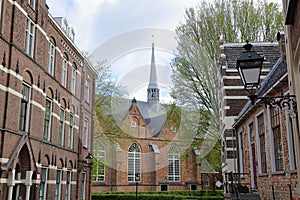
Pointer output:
x,y
195,66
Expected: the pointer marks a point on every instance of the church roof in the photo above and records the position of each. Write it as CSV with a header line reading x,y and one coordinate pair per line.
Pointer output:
x,y
155,119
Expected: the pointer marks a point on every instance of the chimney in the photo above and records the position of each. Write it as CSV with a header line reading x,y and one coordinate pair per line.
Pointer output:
x,y
281,43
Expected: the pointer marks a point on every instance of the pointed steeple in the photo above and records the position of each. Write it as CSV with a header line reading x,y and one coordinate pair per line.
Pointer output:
x,y
153,90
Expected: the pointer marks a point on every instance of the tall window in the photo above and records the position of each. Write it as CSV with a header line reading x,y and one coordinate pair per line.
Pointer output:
x,y
85,132
99,167
61,128
43,184
241,153
174,163
134,161
47,119
58,184
87,90
291,145
29,42
64,72
51,57
32,3
83,189
68,185
24,110
73,81
262,144
277,144
71,131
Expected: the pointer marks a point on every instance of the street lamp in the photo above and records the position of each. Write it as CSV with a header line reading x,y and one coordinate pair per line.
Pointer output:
x,y
249,66
137,179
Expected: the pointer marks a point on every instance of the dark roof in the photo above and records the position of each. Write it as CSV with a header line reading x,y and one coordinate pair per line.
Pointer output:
x,y
154,119
277,72
268,49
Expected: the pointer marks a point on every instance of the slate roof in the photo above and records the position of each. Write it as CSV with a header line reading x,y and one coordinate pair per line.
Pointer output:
x,y
268,49
277,72
154,119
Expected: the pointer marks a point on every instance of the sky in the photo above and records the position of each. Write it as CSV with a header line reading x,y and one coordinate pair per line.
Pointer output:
x,y
121,32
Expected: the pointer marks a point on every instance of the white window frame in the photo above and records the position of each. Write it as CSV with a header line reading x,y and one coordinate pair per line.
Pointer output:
x,y
250,141
58,184
73,81
48,133
87,90
271,137
258,143
241,153
68,185
174,164
64,72
290,140
25,100
134,162
32,3
133,123
99,150
51,58
85,132
29,39
61,129
71,131
206,181
43,188
83,186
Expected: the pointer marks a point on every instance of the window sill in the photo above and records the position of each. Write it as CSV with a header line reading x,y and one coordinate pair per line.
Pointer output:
x,y
278,173
294,171
263,174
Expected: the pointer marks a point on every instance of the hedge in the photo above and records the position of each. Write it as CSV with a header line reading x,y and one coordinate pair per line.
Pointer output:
x,y
162,195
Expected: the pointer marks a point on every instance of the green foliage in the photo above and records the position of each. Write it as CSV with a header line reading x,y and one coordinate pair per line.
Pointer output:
x,y
163,195
196,68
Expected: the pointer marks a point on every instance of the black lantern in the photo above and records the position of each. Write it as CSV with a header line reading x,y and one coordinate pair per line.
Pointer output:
x,y
249,67
137,177
89,158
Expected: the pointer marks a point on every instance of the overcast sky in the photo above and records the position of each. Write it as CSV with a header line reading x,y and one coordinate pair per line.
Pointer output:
x,y
120,31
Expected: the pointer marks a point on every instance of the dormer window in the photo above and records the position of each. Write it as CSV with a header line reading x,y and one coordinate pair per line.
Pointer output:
x,y
133,123
174,129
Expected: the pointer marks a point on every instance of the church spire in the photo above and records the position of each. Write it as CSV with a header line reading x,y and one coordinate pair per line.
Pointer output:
x,y
153,90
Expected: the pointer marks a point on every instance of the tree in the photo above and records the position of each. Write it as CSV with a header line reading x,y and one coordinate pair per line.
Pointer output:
x,y
195,66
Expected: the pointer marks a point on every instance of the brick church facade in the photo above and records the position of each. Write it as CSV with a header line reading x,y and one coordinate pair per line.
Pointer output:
x,y
153,146
46,106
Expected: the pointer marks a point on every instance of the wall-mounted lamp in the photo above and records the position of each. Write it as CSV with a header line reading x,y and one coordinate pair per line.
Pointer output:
x,y
89,158
249,66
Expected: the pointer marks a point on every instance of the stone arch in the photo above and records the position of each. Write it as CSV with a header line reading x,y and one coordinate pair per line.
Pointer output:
x,y
52,40
60,163
63,103
71,164
45,160
27,77
66,56
24,161
49,93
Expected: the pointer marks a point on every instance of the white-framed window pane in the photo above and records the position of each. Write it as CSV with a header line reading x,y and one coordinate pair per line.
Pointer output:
x,y
71,131
83,186
43,184
85,132
29,41
262,144
61,128
64,72
51,58
47,119
99,165
174,163
68,185
32,3
58,184
73,81
87,90
134,161
24,108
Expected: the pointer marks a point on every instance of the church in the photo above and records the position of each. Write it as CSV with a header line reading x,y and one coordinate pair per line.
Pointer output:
x,y
153,149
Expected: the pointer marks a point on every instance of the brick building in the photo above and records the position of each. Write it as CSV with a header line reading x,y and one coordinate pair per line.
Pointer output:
x,y
233,97
152,144
46,105
292,30
265,138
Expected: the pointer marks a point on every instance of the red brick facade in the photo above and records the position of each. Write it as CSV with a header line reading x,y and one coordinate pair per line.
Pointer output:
x,y
27,153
